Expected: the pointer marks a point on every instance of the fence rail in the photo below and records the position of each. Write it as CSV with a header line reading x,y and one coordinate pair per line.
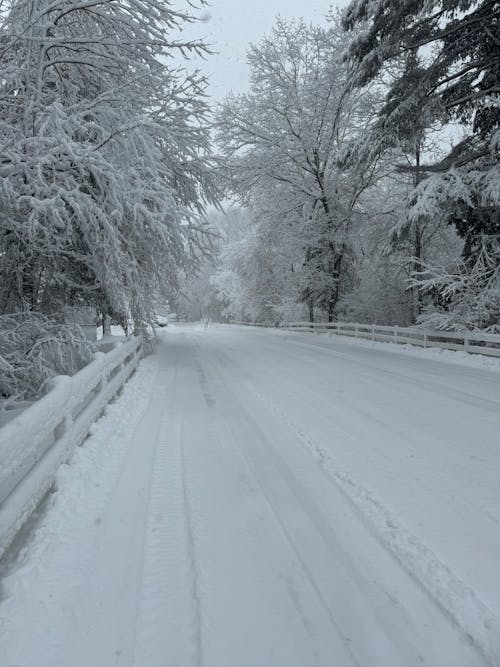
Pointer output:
x,y
471,342
36,442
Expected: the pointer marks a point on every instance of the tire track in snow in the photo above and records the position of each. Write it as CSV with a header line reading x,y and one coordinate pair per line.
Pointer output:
x,y
193,566
169,626
453,597
303,565
297,584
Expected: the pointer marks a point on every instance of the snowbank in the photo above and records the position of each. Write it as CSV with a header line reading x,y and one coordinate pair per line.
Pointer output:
x,y
35,443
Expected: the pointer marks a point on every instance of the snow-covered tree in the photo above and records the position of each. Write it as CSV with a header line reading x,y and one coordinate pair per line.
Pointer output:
x,y
285,142
450,78
104,155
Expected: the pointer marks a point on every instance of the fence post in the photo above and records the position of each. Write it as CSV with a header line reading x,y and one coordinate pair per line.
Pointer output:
x,y
425,338
373,332
356,330
466,344
396,333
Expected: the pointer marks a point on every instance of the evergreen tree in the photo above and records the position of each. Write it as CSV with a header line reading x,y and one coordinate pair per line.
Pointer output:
x,y
448,75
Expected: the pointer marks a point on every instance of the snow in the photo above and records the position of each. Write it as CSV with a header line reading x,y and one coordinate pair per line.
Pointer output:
x,y
40,438
438,354
116,332
60,586
264,498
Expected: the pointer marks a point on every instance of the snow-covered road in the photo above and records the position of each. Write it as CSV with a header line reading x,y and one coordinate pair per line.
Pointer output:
x,y
267,499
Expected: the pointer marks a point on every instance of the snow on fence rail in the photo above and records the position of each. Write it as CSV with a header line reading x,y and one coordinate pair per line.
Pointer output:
x,y
474,343
35,443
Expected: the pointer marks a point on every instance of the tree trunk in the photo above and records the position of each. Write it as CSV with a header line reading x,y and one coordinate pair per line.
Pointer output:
x,y
417,244
331,311
106,325
417,305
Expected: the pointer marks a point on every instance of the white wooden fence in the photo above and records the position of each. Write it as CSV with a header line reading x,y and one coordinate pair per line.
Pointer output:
x,y
474,343
35,443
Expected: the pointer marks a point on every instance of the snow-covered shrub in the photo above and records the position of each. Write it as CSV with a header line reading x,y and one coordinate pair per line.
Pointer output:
x,y
290,310
468,297
466,292
34,348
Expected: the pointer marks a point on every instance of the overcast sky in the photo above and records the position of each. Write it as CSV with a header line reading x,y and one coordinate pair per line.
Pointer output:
x,y
233,24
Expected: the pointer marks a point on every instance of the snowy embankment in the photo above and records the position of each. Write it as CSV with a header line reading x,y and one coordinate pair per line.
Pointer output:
x,y
264,498
35,443
56,575
485,344
430,353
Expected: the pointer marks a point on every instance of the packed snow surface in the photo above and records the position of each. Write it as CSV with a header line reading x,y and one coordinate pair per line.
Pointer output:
x,y
258,498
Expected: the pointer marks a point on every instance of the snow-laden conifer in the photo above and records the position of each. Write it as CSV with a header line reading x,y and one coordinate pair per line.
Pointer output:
x,y
448,76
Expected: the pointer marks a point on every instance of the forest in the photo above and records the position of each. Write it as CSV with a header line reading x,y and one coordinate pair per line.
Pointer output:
x,y
358,177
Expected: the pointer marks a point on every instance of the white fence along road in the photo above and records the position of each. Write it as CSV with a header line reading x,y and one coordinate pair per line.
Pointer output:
x,y
471,342
35,443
